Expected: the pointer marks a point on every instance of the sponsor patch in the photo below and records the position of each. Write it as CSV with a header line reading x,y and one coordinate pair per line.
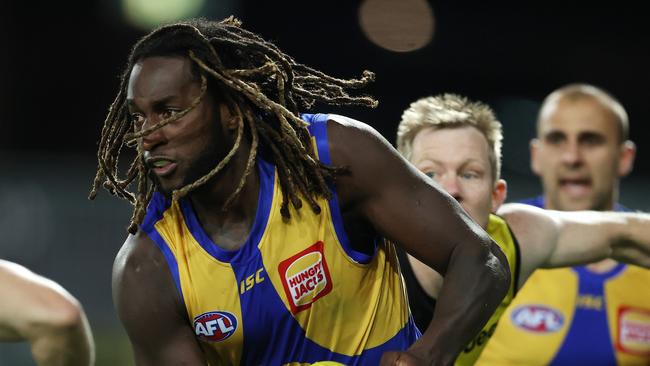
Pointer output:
x,y
215,326
633,334
537,318
305,277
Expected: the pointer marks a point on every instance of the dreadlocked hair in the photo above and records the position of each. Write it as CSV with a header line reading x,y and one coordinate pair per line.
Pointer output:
x,y
269,88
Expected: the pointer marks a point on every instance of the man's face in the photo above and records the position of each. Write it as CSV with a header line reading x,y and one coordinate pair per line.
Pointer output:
x,y
188,148
458,160
578,155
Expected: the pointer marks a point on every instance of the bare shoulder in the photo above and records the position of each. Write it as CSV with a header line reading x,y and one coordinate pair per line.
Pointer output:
x,y
142,280
350,139
138,254
150,306
374,164
139,263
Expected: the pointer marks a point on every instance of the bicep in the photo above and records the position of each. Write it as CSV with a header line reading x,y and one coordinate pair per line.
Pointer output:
x,y
421,218
401,203
148,306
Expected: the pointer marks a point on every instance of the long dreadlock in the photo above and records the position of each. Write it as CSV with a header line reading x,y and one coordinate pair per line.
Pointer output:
x,y
251,73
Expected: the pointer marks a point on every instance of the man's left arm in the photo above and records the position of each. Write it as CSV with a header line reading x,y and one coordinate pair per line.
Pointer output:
x,y
407,207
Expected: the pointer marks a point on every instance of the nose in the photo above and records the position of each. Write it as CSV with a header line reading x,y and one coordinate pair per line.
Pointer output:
x,y
571,154
450,184
153,138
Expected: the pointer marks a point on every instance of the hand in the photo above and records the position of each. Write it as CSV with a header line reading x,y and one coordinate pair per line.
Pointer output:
x,y
405,358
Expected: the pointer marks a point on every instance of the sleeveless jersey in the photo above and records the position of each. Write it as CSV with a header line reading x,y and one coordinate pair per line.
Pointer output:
x,y
573,316
295,292
422,305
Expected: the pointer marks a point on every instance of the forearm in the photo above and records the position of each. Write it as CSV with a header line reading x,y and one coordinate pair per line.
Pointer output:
x,y
66,339
633,242
589,236
67,342
474,285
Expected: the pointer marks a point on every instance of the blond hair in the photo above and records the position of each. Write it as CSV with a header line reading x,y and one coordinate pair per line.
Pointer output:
x,y
451,111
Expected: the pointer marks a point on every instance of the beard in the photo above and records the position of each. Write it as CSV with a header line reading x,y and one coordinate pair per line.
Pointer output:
x,y
207,160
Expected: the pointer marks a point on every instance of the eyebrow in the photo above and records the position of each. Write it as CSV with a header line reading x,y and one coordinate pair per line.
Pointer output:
x,y
156,103
581,134
463,164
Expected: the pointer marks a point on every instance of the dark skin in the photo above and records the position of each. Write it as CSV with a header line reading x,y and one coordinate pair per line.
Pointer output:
x,y
382,195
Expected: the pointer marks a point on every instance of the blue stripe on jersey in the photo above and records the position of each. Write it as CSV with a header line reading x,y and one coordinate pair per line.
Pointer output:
x,y
588,340
157,207
589,330
534,201
318,129
287,342
265,199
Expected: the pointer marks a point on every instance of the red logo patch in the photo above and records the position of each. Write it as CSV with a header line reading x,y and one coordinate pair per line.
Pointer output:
x,y
305,277
633,331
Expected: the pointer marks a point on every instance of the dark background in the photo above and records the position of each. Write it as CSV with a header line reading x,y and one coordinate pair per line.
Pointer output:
x,y
59,67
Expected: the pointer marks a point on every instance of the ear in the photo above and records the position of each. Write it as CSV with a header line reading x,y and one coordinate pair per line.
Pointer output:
x,y
626,158
499,194
534,161
231,115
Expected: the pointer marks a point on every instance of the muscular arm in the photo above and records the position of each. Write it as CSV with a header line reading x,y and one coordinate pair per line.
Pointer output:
x,y
404,206
38,310
149,306
550,239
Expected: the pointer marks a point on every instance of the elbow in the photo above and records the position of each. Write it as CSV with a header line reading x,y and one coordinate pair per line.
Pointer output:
x,y
499,270
67,315
58,313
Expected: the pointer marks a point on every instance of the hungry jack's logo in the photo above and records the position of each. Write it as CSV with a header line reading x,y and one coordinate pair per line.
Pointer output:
x,y
305,277
633,334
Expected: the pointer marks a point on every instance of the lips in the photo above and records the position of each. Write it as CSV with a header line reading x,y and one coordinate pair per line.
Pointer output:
x,y
160,165
576,187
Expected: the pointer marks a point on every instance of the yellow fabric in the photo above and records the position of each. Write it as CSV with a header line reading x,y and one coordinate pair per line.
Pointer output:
x,y
626,301
312,276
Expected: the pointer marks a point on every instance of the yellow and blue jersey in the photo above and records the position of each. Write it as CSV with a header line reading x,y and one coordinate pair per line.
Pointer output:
x,y
573,316
296,292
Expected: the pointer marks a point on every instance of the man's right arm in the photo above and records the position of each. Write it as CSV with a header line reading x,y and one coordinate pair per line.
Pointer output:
x,y
552,239
150,308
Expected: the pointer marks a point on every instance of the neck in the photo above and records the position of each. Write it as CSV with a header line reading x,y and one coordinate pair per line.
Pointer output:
x,y
228,228
603,266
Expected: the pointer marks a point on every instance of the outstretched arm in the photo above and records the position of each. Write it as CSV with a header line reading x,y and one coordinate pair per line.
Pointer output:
x,y
406,207
550,239
149,306
38,310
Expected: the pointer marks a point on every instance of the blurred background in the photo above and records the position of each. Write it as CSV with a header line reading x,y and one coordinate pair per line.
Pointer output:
x,y
60,63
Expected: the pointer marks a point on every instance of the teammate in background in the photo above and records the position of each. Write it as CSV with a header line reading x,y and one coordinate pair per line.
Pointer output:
x,y
597,314
38,310
457,142
224,264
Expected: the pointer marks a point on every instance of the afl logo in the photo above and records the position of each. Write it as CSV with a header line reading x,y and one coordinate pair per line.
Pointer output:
x,y
537,318
215,326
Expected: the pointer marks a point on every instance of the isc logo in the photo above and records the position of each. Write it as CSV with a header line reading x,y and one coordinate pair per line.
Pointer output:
x,y
537,318
215,326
